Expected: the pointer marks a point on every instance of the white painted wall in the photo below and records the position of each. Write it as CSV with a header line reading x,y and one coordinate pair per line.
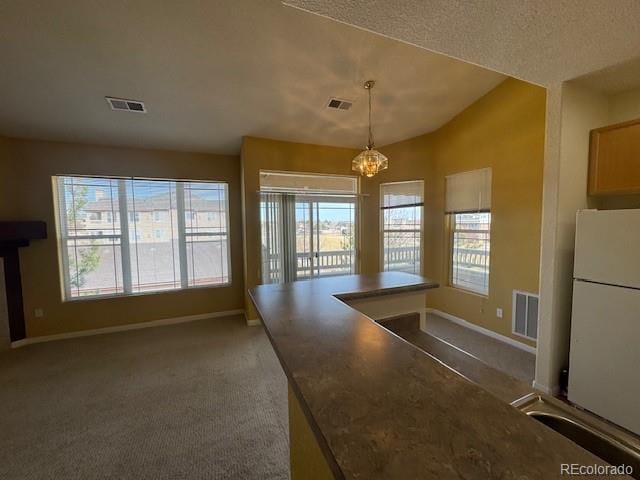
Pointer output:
x,y
572,111
624,106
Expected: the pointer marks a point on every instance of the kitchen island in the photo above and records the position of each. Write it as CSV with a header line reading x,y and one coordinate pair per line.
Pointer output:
x,y
365,404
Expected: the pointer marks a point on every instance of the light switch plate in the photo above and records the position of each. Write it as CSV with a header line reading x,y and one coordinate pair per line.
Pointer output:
x,y
39,313
499,312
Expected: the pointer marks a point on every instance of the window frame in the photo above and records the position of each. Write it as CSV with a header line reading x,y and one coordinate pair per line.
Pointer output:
x,y
382,230
452,230
125,243
305,192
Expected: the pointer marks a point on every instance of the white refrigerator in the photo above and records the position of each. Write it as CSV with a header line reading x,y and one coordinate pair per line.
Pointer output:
x,y
604,364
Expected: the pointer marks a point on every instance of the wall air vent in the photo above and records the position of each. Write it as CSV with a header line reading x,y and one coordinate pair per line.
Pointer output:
x,y
525,314
124,105
339,103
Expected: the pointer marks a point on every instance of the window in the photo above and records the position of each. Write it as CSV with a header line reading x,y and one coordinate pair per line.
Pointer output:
x,y
468,204
308,225
401,219
127,255
471,241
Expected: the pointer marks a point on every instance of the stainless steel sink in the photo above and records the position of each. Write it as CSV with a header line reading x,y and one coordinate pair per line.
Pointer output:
x,y
607,441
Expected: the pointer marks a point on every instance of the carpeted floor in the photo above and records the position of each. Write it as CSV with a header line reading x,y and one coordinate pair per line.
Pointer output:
x,y
510,360
477,357
201,400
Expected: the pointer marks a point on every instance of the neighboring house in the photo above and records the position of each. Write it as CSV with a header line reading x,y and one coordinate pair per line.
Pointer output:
x,y
154,219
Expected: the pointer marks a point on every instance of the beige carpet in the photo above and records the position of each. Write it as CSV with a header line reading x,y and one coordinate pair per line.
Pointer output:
x,y
201,400
510,360
473,355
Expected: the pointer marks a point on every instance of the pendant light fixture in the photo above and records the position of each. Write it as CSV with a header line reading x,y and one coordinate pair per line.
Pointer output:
x,y
369,161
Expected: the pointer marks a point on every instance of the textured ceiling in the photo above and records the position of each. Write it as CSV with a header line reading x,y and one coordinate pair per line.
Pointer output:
x,y
211,72
540,41
616,79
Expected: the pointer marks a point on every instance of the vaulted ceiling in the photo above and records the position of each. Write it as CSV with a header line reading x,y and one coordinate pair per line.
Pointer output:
x,y
540,41
211,72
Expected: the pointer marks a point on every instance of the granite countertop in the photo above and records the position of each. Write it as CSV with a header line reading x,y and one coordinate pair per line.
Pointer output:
x,y
380,407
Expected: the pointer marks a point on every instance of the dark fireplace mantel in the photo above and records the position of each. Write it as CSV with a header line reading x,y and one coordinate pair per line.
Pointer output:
x,y
14,235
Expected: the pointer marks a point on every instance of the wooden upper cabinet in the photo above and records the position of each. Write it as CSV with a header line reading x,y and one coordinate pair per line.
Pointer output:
x,y
614,159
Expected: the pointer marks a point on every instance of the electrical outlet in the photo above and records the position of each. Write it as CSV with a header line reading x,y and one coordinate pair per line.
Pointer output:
x,y
499,312
39,313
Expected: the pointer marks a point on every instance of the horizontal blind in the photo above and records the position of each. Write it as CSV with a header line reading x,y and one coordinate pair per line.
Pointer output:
x,y
206,236
468,191
306,182
400,194
401,205
91,248
471,250
153,235
121,236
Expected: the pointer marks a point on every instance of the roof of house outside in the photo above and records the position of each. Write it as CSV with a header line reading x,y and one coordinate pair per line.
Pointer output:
x,y
160,202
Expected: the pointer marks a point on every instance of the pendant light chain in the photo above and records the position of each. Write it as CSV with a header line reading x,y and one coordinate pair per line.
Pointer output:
x,y
370,129
369,162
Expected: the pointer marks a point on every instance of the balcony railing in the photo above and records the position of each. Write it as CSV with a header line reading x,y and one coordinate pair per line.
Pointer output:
x,y
471,269
469,257
334,262
342,262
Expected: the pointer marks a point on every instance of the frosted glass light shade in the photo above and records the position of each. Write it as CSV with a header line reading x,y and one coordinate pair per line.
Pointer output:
x,y
369,162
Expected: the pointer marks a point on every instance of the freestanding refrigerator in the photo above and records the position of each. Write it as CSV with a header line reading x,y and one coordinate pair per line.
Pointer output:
x,y
604,364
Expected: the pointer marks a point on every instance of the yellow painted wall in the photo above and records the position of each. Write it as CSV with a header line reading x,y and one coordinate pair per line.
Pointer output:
x,y
9,210
31,165
503,130
409,160
265,154
306,460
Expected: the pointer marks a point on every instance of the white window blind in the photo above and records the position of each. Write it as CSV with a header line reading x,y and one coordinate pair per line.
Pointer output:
x,y
303,183
401,207
121,236
468,191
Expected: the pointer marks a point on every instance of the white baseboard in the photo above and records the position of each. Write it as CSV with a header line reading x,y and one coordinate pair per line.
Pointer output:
x,y
253,322
553,391
122,328
484,331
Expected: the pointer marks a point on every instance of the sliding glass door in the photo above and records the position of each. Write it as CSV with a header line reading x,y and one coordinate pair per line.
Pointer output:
x,y
308,225
325,236
307,236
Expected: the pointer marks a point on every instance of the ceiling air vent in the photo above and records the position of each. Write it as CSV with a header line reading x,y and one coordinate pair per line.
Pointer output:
x,y
339,103
122,104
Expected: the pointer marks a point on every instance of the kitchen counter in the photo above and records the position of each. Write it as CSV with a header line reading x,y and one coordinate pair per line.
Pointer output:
x,y
378,407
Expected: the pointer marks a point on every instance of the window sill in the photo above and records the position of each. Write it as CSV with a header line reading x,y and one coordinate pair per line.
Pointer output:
x,y
142,294
519,335
469,292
